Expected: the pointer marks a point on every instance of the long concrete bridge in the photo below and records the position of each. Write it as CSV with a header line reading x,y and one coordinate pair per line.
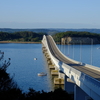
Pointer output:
x,y
85,78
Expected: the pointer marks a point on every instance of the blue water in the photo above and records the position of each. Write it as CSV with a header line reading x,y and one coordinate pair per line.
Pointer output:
x,y
24,68
82,53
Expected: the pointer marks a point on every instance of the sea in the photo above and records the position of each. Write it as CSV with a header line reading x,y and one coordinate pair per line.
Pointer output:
x,y
24,68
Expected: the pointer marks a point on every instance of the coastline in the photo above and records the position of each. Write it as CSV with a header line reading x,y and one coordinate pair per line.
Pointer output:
x,y
19,42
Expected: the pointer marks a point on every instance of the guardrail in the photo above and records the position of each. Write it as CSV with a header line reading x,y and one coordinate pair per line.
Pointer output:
x,y
92,67
56,61
77,62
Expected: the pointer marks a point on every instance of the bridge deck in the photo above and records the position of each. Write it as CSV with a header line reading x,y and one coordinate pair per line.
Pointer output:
x,y
93,73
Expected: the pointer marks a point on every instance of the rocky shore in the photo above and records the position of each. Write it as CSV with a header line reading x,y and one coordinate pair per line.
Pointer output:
x,y
78,40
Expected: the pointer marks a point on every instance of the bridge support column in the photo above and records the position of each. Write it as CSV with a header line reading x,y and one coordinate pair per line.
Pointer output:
x,y
61,75
59,82
69,85
54,72
51,67
79,94
60,79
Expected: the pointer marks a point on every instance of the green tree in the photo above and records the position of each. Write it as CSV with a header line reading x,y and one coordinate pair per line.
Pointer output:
x,y
8,88
57,37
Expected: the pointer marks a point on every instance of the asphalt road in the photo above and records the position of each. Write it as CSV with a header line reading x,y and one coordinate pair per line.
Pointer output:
x,y
93,73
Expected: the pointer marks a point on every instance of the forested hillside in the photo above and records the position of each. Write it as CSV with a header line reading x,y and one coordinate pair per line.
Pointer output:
x,y
57,37
21,36
28,36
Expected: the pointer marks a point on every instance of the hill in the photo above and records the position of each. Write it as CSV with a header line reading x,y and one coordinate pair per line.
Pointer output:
x,y
80,30
71,37
49,31
21,36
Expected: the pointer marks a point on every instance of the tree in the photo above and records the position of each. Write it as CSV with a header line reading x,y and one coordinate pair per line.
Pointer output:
x,y
57,37
8,88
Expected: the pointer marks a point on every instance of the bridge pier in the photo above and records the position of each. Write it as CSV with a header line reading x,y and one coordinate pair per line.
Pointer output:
x,y
51,67
69,85
44,49
59,81
54,72
72,88
79,94
57,77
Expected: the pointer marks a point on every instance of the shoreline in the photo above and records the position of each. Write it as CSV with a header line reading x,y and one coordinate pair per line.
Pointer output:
x,y
20,42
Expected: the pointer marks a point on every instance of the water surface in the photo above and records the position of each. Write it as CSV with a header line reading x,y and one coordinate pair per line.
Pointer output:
x,y
24,68
89,54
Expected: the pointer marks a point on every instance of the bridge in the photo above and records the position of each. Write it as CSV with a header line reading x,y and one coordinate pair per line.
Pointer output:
x,y
85,78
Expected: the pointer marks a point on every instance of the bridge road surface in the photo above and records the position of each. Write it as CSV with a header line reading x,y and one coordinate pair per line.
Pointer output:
x,y
93,73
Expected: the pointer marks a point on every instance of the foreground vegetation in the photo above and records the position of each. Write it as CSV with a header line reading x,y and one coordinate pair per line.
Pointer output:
x,y
21,36
10,91
57,37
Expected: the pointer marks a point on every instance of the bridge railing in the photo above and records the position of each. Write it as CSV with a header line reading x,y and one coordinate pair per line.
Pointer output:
x,y
56,61
77,62
92,67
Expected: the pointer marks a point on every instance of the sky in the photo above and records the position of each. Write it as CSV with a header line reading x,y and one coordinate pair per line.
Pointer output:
x,y
50,14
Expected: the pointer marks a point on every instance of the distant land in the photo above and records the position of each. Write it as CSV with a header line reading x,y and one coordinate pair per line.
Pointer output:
x,y
63,36
49,31
70,37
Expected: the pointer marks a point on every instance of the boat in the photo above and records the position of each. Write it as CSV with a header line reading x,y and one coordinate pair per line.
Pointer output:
x,y
98,48
42,74
35,58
